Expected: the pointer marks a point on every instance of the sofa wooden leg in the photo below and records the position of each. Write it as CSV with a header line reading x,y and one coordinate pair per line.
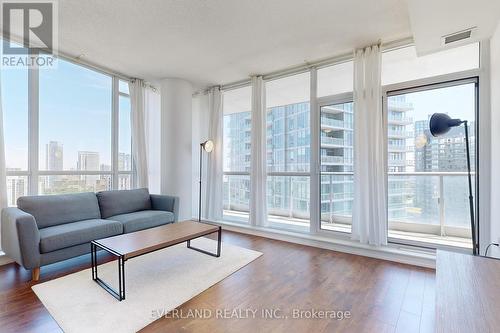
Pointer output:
x,y
35,274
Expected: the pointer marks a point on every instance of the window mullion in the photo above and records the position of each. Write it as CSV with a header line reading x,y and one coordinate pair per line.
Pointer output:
x,y
33,125
314,165
114,133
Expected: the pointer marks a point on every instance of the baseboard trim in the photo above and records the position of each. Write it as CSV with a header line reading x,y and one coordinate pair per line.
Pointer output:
x,y
390,252
4,260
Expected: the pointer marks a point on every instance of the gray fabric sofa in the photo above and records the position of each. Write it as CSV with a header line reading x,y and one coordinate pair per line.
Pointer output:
x,y
46,229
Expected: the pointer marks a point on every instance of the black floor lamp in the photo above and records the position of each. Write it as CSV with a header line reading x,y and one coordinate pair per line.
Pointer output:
x,y
207,146
440,124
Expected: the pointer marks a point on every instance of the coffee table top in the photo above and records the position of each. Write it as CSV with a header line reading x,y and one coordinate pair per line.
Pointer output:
x,y
144,241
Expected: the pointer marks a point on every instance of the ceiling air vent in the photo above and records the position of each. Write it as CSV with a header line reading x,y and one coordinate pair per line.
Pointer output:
x,y
458,36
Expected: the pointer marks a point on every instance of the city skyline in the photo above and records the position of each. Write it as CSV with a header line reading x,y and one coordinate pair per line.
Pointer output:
x,y
56,184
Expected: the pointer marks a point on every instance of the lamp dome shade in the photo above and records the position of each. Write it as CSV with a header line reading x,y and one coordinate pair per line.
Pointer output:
x,y
208,146
441,123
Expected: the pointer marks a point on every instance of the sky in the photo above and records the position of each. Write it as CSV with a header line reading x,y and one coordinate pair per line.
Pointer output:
x,y
75,110
456,101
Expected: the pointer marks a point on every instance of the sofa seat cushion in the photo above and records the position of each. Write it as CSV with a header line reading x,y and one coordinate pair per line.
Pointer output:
x,y
76,233
143,219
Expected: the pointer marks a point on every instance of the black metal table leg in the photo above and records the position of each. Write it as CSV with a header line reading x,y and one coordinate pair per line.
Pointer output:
x,y
92,258
120,295
219,237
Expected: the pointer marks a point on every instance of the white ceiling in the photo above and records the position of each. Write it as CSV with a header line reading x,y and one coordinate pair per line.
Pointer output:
x,y
220,41
431,19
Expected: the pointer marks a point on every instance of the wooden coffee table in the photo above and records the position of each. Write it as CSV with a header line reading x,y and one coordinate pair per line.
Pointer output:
x,y
134,244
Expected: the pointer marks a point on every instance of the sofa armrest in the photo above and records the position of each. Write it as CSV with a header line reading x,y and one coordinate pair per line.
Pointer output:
x,y
20,237
167,203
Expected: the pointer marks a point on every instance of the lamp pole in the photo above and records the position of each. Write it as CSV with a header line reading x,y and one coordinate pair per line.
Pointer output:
x,y
439,124
208,146
471,199
199,195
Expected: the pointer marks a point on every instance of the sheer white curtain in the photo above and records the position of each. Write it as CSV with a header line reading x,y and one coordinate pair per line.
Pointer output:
x,y
213,194
137,115
153,138
369,223
258,174
3,177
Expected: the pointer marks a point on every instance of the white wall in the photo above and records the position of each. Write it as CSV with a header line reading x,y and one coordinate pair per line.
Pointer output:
x,y
153,139
495,136
176,142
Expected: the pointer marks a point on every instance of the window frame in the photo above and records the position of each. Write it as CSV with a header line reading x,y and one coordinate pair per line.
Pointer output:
x,y
33,173
437,82
482,152
347,97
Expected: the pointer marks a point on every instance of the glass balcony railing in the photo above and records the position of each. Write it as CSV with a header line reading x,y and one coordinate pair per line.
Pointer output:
x,y
325,197
430,204
398,133
332,159
400,119
332,122
399,105
393,147
236,197
326,140
429,198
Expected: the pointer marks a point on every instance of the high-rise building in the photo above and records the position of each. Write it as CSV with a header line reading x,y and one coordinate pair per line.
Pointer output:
x,y
53,161
337,124
54,156
400,154
89,161
124,161
288,150
16,186
237,151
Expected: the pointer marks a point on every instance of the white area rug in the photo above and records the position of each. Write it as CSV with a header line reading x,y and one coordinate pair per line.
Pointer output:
x,y
158,281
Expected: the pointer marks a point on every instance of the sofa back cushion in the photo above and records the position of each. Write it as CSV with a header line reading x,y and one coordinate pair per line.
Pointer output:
x,y
122,202
50,210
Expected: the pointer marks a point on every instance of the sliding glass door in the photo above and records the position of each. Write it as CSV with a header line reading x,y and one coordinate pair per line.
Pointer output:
x,y
336,160
427,176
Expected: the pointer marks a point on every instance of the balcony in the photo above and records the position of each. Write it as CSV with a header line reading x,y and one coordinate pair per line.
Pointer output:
x,y
332,123
331,197
333,110
332,160
397,134
399,120
433,203
329,141
397,106
396,148
423,207
332,178
397,162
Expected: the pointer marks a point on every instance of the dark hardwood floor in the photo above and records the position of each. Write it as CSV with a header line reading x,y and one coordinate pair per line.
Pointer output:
x,y
381,296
